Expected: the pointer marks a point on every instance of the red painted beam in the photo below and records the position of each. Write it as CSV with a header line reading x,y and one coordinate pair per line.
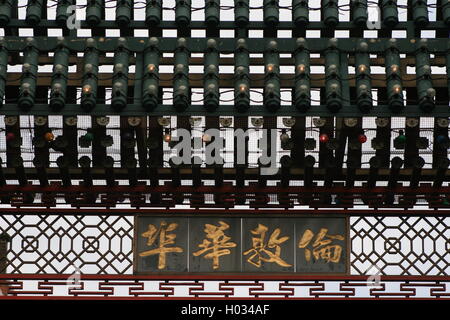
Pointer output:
x,y
230,211
222,276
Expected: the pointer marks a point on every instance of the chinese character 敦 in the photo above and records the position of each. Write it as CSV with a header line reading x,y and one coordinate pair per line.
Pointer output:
x,y
321,247
217,245
162,238
267,252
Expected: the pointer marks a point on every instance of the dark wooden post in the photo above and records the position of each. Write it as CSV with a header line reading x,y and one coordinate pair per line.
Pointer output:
x,y
4,239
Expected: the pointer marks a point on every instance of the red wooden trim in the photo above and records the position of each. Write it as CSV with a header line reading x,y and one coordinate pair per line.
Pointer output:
x,y
253,277
210,211
51,298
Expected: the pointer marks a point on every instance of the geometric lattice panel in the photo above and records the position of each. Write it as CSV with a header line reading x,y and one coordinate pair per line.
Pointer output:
x,y
47,244
400,245
102,244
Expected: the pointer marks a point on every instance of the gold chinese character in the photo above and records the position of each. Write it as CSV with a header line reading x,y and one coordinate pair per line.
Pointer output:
x,y
261,250
165,239
218,245
321,246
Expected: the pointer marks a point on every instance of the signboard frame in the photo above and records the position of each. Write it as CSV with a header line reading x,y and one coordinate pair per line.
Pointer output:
x,y
245,215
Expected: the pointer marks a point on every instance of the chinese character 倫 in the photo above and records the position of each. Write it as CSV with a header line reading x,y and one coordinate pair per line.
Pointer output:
x,y
321,247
